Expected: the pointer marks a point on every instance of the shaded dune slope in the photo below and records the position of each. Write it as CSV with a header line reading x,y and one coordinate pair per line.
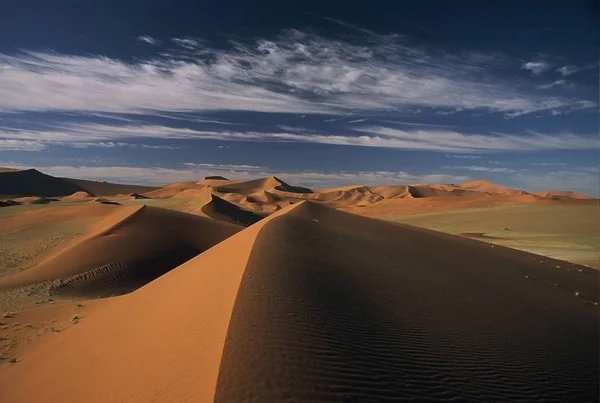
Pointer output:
x,y
130,248
222,210
31,182
335,307
213,206
311,304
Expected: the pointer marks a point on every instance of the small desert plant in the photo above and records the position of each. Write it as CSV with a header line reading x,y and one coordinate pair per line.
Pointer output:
x,y
8,315
79,305
576,293
12,360
75,319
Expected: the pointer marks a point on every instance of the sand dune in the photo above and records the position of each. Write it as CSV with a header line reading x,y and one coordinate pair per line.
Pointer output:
x,y
256,185
129,248
127,352
78,196
312,304
171,190
489,187
222,210
102,188
558,194
31,182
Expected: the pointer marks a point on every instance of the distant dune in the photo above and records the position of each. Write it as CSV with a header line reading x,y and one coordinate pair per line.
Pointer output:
x,y
313,304
558,194
31,182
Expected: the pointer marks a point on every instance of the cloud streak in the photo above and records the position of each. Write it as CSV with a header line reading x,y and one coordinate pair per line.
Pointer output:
x,y
375,136
294,73
147,39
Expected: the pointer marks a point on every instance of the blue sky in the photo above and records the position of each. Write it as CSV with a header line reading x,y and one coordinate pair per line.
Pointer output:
x,y
318,94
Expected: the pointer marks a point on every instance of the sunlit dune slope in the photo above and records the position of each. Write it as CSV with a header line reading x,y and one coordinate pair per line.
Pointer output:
x,y
312,304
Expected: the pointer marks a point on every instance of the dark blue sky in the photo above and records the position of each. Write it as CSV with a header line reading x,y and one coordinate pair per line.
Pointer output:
x,y
319,93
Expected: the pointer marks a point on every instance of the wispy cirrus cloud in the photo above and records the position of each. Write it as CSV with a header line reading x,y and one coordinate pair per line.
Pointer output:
x,y
569,70
463,156
537,67
147,39
476,168
294,72
21,145
557,83
368,136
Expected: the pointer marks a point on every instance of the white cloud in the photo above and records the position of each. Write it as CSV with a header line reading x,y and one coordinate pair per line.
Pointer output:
x,y
549,164
536,67
475,168
222,167
570,70
20,145
385,137
194,172
187,43
295,72
147,39
444,140
463,156
557,83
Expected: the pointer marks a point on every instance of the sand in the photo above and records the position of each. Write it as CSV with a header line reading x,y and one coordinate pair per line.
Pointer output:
x,y
318,299
129,248
312,304
127,352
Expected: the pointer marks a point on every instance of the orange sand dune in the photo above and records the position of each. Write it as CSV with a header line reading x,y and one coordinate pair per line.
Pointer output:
x,y
256,185
222,210
33,200
3,169
129,248
103,188
489,187
171,190
216,181
162,343
78,196
558,194
391,192
313,304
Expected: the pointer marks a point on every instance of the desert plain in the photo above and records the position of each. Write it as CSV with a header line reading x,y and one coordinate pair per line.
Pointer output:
x,y
262,291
